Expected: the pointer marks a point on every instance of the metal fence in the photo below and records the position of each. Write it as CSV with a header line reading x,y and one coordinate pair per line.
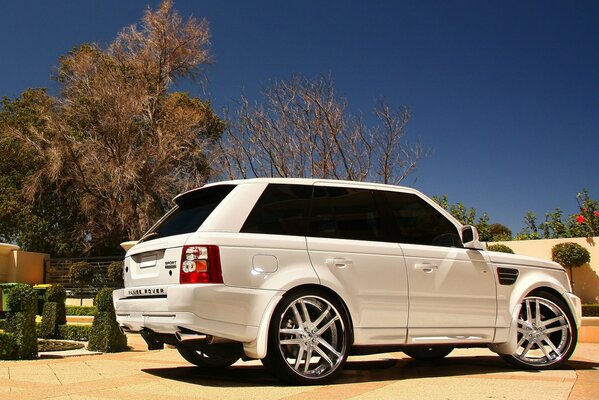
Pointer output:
x,y
57,271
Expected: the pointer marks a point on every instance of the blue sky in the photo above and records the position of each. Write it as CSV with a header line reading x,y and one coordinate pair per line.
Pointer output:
x,y
506,93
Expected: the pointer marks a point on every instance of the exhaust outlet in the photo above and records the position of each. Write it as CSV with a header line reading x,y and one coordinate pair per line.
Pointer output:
x,y
188,337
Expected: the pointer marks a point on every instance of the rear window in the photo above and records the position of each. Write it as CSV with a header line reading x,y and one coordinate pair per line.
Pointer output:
x,y
281,210
190,212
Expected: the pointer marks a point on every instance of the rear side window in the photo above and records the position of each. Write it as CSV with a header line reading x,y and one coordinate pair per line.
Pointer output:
x,y
417,222
345,213
191,211
281,210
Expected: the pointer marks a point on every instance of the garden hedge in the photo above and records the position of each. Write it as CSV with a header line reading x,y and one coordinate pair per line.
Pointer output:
x,y
105,335
20,320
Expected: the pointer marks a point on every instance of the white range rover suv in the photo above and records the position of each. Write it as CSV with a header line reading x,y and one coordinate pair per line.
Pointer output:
x,y
301,273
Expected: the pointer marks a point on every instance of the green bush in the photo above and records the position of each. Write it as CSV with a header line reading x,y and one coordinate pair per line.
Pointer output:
x,y
105,335
103,300
570,254
49,325
81,272
82,310
75,332
502,248
22,298
9,349
20,320
2,324
115,273
57,294
590,310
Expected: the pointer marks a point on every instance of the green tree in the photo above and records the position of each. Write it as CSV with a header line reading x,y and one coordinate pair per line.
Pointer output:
x,y
468,216
37,220
530,230
119,143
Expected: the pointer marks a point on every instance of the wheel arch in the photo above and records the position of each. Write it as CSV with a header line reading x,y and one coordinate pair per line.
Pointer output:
x,y
535,284
258,348
330,292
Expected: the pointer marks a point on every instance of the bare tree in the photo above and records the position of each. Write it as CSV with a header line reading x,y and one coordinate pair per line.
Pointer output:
x,y
302,128
117,138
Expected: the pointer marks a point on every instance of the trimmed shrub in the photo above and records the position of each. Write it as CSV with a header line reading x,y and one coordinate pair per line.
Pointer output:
x,y
502,248
75,332
570,254
58,294
590,310
90,311
105,335
103,300
20,320
81,272
115,273
49,326
9,349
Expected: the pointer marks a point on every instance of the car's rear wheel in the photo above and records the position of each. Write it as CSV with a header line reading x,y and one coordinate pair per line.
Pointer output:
x,y
219,355
546,335
308,338
428,353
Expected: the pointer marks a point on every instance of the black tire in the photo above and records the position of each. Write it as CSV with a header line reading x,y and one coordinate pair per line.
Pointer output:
x,y
307,325
212,355
428,353
547,333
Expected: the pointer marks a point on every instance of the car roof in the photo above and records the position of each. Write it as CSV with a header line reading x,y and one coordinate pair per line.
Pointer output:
x,y
302,181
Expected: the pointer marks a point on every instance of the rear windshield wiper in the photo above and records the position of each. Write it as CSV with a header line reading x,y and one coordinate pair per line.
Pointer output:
x,y
149,235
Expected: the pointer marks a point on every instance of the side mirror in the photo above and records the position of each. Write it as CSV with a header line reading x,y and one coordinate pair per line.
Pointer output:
x,y
470,238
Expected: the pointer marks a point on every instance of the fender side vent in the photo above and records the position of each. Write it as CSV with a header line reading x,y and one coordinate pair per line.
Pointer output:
x,y
507,276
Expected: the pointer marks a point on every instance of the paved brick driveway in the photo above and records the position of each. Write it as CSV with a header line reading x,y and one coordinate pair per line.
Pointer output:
x,y
164,375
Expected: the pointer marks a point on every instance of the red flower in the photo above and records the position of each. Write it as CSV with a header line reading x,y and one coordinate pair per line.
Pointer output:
x,y
580,219
596,214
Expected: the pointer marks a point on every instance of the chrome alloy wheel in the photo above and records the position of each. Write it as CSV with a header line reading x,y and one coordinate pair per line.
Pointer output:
x,y
312,337
544,333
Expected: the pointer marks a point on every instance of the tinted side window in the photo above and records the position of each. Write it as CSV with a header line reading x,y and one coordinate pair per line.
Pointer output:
x,y
417,222
345,213
191,211
281,210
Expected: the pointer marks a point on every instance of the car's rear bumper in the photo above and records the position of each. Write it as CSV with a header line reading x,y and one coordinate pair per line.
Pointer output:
x,y
211,309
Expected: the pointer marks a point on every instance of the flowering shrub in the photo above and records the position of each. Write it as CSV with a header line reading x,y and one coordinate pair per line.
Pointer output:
x,y
588,219
585,223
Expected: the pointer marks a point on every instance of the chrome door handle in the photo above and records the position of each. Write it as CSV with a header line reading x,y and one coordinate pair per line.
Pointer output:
x,y
338,262
426,267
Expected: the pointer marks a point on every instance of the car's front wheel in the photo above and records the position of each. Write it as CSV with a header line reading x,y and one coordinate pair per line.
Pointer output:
x,y
308,338
212,355
546,335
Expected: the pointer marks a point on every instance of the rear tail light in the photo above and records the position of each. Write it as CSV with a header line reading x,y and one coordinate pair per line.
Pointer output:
x,y
200,264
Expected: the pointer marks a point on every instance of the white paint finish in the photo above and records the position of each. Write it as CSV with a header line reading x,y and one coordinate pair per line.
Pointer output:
x,y
450,289
454,296
237,256
232,212
264,264
369,276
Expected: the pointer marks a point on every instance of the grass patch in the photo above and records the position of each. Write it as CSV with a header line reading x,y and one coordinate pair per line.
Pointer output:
x,y
58,345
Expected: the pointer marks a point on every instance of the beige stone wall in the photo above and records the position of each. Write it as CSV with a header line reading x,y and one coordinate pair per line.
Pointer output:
x,y
21,266
585,278
6,260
